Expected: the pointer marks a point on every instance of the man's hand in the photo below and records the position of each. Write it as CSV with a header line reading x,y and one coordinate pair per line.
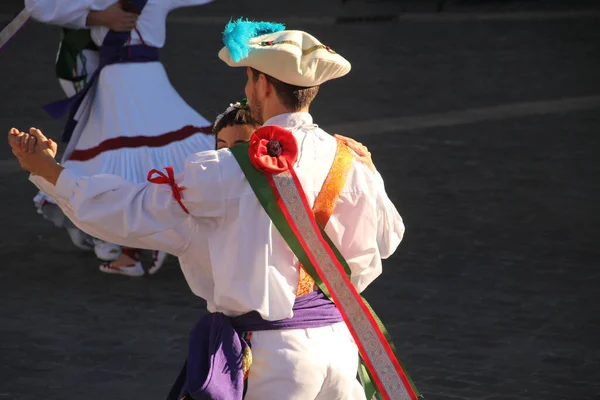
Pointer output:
x,y
113,17
364,155
35,153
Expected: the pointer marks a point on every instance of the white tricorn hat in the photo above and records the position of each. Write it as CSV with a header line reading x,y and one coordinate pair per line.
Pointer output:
x,y
293,57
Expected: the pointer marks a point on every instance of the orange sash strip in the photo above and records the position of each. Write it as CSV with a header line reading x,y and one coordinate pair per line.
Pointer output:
x,y
325,203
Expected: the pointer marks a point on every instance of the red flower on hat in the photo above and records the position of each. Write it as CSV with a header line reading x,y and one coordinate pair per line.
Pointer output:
x,y
273,149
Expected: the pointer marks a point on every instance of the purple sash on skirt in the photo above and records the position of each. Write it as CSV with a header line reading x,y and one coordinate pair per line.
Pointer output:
x,y
214,367
112,51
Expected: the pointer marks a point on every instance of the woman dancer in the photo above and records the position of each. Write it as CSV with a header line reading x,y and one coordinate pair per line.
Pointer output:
x,y
128,119
76,60
235,125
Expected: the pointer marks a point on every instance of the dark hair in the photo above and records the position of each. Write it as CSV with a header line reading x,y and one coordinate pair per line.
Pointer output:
x,y
238,116
293,97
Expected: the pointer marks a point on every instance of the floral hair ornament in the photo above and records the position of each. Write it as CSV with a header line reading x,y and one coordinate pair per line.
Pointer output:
x,y
273,149
239,105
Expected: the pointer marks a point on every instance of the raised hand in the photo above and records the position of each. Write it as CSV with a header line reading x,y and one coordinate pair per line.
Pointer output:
x,y
28,143
35,153
364,155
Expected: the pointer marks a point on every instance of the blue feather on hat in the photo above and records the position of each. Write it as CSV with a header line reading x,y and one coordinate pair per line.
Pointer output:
x,y
237,35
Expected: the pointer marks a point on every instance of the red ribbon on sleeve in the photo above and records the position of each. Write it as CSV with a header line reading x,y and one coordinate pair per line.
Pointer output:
x,y
168,179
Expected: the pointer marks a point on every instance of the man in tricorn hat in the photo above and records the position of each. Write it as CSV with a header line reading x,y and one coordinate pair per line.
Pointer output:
x,y
295,223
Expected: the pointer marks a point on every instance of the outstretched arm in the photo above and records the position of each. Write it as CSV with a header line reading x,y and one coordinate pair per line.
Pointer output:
x,y
95,219
111,208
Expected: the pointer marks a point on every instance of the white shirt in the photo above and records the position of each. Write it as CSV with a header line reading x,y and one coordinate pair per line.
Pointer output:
x,y
73,14
229,250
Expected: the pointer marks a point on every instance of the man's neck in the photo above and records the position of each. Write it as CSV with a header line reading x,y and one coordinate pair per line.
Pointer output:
x,y
278,110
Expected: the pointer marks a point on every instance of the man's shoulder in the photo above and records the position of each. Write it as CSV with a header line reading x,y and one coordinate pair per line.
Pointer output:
x,y
359,178
321,134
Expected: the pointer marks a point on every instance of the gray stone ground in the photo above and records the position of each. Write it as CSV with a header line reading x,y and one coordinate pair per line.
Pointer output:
x,y
494,292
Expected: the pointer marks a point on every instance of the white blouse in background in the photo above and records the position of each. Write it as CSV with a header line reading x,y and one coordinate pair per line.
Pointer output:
x,y
73,14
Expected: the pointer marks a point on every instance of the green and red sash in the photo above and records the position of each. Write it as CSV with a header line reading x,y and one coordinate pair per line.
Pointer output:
x,y
284,201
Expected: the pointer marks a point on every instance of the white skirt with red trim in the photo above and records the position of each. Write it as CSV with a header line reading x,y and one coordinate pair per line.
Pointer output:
x,y
136,122
132,122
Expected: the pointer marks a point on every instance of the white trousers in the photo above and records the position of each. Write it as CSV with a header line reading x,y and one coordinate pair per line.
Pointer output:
x,y
304,364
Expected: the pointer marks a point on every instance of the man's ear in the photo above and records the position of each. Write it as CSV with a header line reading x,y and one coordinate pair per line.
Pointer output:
x,y
264,85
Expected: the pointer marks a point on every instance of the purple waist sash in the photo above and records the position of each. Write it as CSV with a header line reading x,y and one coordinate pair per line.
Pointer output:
x,y
214,367
108,55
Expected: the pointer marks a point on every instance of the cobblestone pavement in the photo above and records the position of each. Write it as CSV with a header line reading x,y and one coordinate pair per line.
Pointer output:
x,y
493,293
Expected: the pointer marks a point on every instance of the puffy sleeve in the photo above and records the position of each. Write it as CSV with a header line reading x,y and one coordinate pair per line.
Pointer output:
x,y
143,215
366,227
390,226
173,4
67,13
